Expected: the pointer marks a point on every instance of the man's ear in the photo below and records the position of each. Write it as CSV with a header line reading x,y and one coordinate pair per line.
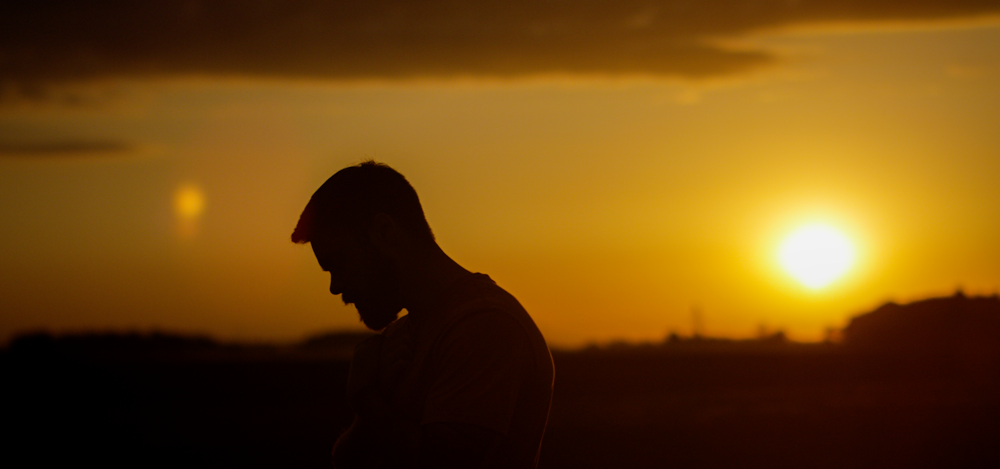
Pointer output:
x,y
385,234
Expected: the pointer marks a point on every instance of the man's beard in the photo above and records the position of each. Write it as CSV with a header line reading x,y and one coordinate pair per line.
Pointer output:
x,y
382,304
376,314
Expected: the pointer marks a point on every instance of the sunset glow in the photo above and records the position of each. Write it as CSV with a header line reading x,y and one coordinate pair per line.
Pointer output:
x,y
751,233
610,166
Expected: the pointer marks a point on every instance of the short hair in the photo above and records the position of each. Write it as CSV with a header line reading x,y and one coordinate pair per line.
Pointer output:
x,y
354,195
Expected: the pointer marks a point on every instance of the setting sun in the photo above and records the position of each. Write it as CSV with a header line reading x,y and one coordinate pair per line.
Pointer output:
x,y
816,255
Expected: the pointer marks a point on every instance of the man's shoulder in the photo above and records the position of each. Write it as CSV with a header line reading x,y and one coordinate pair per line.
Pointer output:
x,y
491,317
486,326
492,368
478,302
481,295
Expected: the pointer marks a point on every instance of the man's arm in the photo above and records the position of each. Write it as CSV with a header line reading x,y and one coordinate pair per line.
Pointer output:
x,y
474,390
470,397
378,433
436,445
377,430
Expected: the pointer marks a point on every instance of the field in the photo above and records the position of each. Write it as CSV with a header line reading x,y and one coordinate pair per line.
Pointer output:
x,y
786,405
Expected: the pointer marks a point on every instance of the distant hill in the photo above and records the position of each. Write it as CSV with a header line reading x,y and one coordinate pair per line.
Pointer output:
x,y
129,346
108,344
335,341
955,325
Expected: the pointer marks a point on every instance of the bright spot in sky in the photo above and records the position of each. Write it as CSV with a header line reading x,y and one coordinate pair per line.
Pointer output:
x,y
816,255
189,202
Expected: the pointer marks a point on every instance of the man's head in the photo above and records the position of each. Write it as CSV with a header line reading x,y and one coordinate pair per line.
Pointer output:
x,y
356,222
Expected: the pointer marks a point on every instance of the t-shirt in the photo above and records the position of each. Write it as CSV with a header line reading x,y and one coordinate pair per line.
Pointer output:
x,y
475,358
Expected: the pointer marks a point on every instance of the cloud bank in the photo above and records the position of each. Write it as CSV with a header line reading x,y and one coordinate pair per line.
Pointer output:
x,y
51,42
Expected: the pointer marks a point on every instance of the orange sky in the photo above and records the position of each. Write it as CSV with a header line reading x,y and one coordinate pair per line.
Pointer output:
x,y
610,199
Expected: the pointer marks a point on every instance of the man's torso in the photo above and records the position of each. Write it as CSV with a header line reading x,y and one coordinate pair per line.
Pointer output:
x,y
479,359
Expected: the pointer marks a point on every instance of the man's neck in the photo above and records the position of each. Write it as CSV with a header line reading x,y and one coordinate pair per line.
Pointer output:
x,y
426,277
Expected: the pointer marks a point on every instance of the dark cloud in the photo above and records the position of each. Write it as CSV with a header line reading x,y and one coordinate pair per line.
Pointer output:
x,y
63,148
45,42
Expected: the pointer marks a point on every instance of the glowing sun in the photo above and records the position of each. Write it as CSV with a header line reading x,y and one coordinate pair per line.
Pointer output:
x,y
816,255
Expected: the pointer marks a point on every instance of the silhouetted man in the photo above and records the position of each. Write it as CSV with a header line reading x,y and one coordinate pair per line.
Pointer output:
x,y
465,378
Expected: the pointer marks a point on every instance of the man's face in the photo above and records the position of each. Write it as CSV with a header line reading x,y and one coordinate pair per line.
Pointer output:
x,y
361,276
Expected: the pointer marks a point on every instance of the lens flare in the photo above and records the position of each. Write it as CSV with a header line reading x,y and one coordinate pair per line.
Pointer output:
x,y
189,204
816,255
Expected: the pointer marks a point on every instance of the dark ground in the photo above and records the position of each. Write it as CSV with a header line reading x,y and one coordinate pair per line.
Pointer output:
x,y
667,406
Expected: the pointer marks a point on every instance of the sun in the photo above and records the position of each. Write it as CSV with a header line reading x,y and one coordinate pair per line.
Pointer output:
x,y
816,255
